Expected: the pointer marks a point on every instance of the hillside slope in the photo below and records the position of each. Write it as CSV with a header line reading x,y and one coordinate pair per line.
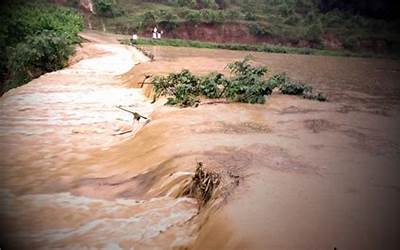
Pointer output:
x,y
354,25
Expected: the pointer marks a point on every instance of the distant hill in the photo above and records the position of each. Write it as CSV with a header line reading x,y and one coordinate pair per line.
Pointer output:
x,y
356,25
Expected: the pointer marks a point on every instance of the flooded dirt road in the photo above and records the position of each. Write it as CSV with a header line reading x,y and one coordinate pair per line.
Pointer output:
x,y
298,174
49,199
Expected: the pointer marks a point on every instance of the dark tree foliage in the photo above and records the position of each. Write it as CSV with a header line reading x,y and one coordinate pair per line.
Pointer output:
x,y
386,9
35,37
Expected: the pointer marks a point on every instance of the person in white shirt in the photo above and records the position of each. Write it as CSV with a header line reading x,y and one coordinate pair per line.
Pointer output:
x,y
134,38
155,33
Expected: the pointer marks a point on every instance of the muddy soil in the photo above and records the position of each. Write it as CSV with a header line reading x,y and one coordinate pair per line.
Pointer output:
x,y
300,174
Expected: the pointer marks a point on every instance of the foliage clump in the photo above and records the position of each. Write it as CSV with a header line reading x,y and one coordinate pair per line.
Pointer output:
x,y
183,88
107,8
44,52
247,84
35,38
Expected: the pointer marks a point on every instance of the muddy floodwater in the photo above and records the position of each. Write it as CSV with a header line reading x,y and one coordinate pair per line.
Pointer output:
x,y
297,174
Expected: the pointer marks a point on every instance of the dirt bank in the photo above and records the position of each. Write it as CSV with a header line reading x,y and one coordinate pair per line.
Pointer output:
x,y
233,32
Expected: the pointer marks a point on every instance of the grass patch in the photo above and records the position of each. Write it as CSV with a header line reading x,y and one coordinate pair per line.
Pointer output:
x,y
246,47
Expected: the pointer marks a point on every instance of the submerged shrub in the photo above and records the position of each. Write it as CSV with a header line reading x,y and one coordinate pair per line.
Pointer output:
x,y
294,88
247,84
318,97
182,86
214,85
289,87
277,80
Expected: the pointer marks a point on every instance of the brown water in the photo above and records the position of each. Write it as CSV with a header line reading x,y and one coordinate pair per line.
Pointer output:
x,y
298,174
48,127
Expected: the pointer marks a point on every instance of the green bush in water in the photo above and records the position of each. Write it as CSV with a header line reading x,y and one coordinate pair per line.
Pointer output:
x,y
182,87
247,84
214,85
294,88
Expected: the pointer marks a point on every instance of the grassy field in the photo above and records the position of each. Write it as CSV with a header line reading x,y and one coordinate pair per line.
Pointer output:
x,y
247,47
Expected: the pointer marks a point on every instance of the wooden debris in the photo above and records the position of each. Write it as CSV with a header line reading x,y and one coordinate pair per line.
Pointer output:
x,y
123,132
203,184
136,115
144,80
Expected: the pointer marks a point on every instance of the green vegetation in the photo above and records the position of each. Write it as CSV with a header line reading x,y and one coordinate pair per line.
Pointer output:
x,y
247,84
263,47
300,23
35,38
107,8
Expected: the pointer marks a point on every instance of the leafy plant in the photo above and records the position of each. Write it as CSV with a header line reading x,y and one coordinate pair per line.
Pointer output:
x,y
294,88
249,16
193,17
44,52
278,80
247,84
214,85
187,3
106,8
314,32
289,87
183,87
35,38
148,19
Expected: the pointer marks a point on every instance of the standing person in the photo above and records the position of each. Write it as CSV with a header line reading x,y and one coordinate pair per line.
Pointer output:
x,y
159,34
155,33
134,38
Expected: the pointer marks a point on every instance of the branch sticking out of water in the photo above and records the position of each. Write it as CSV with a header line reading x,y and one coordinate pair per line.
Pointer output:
x,y
136,115
203,184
